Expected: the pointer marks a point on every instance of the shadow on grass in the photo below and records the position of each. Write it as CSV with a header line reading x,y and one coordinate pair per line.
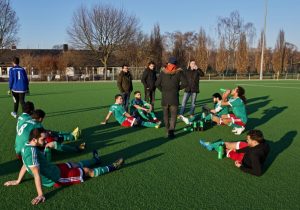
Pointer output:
x,y
9,167
267,115
74,111
276,148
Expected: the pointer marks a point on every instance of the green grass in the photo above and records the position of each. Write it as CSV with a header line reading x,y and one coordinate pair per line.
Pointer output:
x,y
159,173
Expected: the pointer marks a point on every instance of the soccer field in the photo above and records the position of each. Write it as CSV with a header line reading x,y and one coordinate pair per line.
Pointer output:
x,y
160,173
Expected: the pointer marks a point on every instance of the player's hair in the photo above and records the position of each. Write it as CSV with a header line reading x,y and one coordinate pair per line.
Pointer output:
x,y
241,94
37,114
28,107
256,135
135,92
151,63
117,96
217,95
36,133
16,60
124,65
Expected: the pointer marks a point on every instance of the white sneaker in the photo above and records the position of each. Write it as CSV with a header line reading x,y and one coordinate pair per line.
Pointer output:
x,y
234,130
184,119
13,114
239,131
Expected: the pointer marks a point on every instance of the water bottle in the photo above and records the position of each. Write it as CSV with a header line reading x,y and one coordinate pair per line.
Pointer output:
x,y
223,90
220,152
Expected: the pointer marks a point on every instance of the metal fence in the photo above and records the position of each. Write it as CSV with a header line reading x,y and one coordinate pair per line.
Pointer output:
x,y
94,74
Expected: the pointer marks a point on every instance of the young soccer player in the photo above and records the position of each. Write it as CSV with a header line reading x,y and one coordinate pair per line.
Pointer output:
x,y
26,115
48,174
125,119
141,109
249,156
218,110
239,117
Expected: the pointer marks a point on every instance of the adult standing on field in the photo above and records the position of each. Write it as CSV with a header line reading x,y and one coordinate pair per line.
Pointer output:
x,y
169,82
125,85
192,74
18,85
148,79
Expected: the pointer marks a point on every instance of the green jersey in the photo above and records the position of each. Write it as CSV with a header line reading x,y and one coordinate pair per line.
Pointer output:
x,y
220,110
23,132
23,118
238,108
49,172
118,112
138,102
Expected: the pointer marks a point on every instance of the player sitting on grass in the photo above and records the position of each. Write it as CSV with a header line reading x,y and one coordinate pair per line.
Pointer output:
x,y
249,156
125,119
48,174
26,115
141,109
239,118
57,139
206,114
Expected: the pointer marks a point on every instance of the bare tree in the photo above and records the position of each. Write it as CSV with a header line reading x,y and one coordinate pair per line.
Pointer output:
x,y
202,53
102,29
231,29
221,57
156,46
279,60
9,25
241,60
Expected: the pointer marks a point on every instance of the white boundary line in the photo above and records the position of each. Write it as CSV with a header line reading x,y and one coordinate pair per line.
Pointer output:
x,y
268,86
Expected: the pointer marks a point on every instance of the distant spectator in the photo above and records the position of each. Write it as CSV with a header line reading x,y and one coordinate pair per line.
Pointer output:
x,y
148,80
125,85
18,85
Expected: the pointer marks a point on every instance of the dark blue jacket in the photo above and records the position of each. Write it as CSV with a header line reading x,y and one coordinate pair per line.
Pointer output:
x,y
18,81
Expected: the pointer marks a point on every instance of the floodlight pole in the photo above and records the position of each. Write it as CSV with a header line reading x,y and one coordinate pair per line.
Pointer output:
x,y
263,42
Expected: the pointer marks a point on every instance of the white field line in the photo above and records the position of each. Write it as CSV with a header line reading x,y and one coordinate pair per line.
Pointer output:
x,y
269,86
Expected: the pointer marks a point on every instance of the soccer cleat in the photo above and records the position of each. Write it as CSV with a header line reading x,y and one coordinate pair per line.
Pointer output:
x,y
158,124
239,131
118,163
76,133
81,147
184,119
206,145
13,114
96,156
171,134
234,130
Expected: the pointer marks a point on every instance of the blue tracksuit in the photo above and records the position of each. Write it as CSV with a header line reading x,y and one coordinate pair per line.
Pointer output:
x,y
18,81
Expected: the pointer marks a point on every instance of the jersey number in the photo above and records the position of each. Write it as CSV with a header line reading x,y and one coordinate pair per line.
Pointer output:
x,y
21,129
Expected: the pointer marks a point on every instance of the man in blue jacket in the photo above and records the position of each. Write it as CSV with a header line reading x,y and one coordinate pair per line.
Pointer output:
x,y
18,85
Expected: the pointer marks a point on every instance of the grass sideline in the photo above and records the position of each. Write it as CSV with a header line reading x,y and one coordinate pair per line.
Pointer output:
x,y
161,174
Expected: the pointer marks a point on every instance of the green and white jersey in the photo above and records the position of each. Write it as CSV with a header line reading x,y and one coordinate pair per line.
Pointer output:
x,y
118,112
22,119
220,110
23,132
138,102
238,108
49,172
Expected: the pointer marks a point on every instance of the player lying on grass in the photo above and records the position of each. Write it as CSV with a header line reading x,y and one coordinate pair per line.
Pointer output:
x,y
249,156
57,139
239,118
207,114
141,109
35,121
125,119
48,174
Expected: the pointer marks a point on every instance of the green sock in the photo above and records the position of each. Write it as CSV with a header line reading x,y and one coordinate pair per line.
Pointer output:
x,y
148,124
64,148
100,171
216,144
142,114
208,117
88,163
152,115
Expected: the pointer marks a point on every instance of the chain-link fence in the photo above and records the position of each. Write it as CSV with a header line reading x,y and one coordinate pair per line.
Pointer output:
x,y
99,74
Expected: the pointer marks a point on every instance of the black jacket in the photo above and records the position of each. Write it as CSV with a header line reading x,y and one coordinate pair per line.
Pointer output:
x,y
125,82
193,77
169,84
149,79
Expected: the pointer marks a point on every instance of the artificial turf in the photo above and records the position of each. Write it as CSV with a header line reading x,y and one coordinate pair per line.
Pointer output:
x,y
160,173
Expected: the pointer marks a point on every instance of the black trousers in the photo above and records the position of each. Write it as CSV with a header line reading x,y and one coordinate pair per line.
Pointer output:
x,y
18,98
126,98
150,97
170,115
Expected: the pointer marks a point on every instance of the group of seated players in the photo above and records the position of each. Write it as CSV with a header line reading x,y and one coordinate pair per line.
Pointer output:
x,y
34,143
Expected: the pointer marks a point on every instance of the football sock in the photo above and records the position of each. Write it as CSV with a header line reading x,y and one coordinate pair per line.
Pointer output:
x,y
101,170
216,144
148,124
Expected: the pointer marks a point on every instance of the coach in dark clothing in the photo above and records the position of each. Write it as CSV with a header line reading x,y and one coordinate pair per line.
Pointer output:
x,y
125,85
148,80
192,74
169,82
